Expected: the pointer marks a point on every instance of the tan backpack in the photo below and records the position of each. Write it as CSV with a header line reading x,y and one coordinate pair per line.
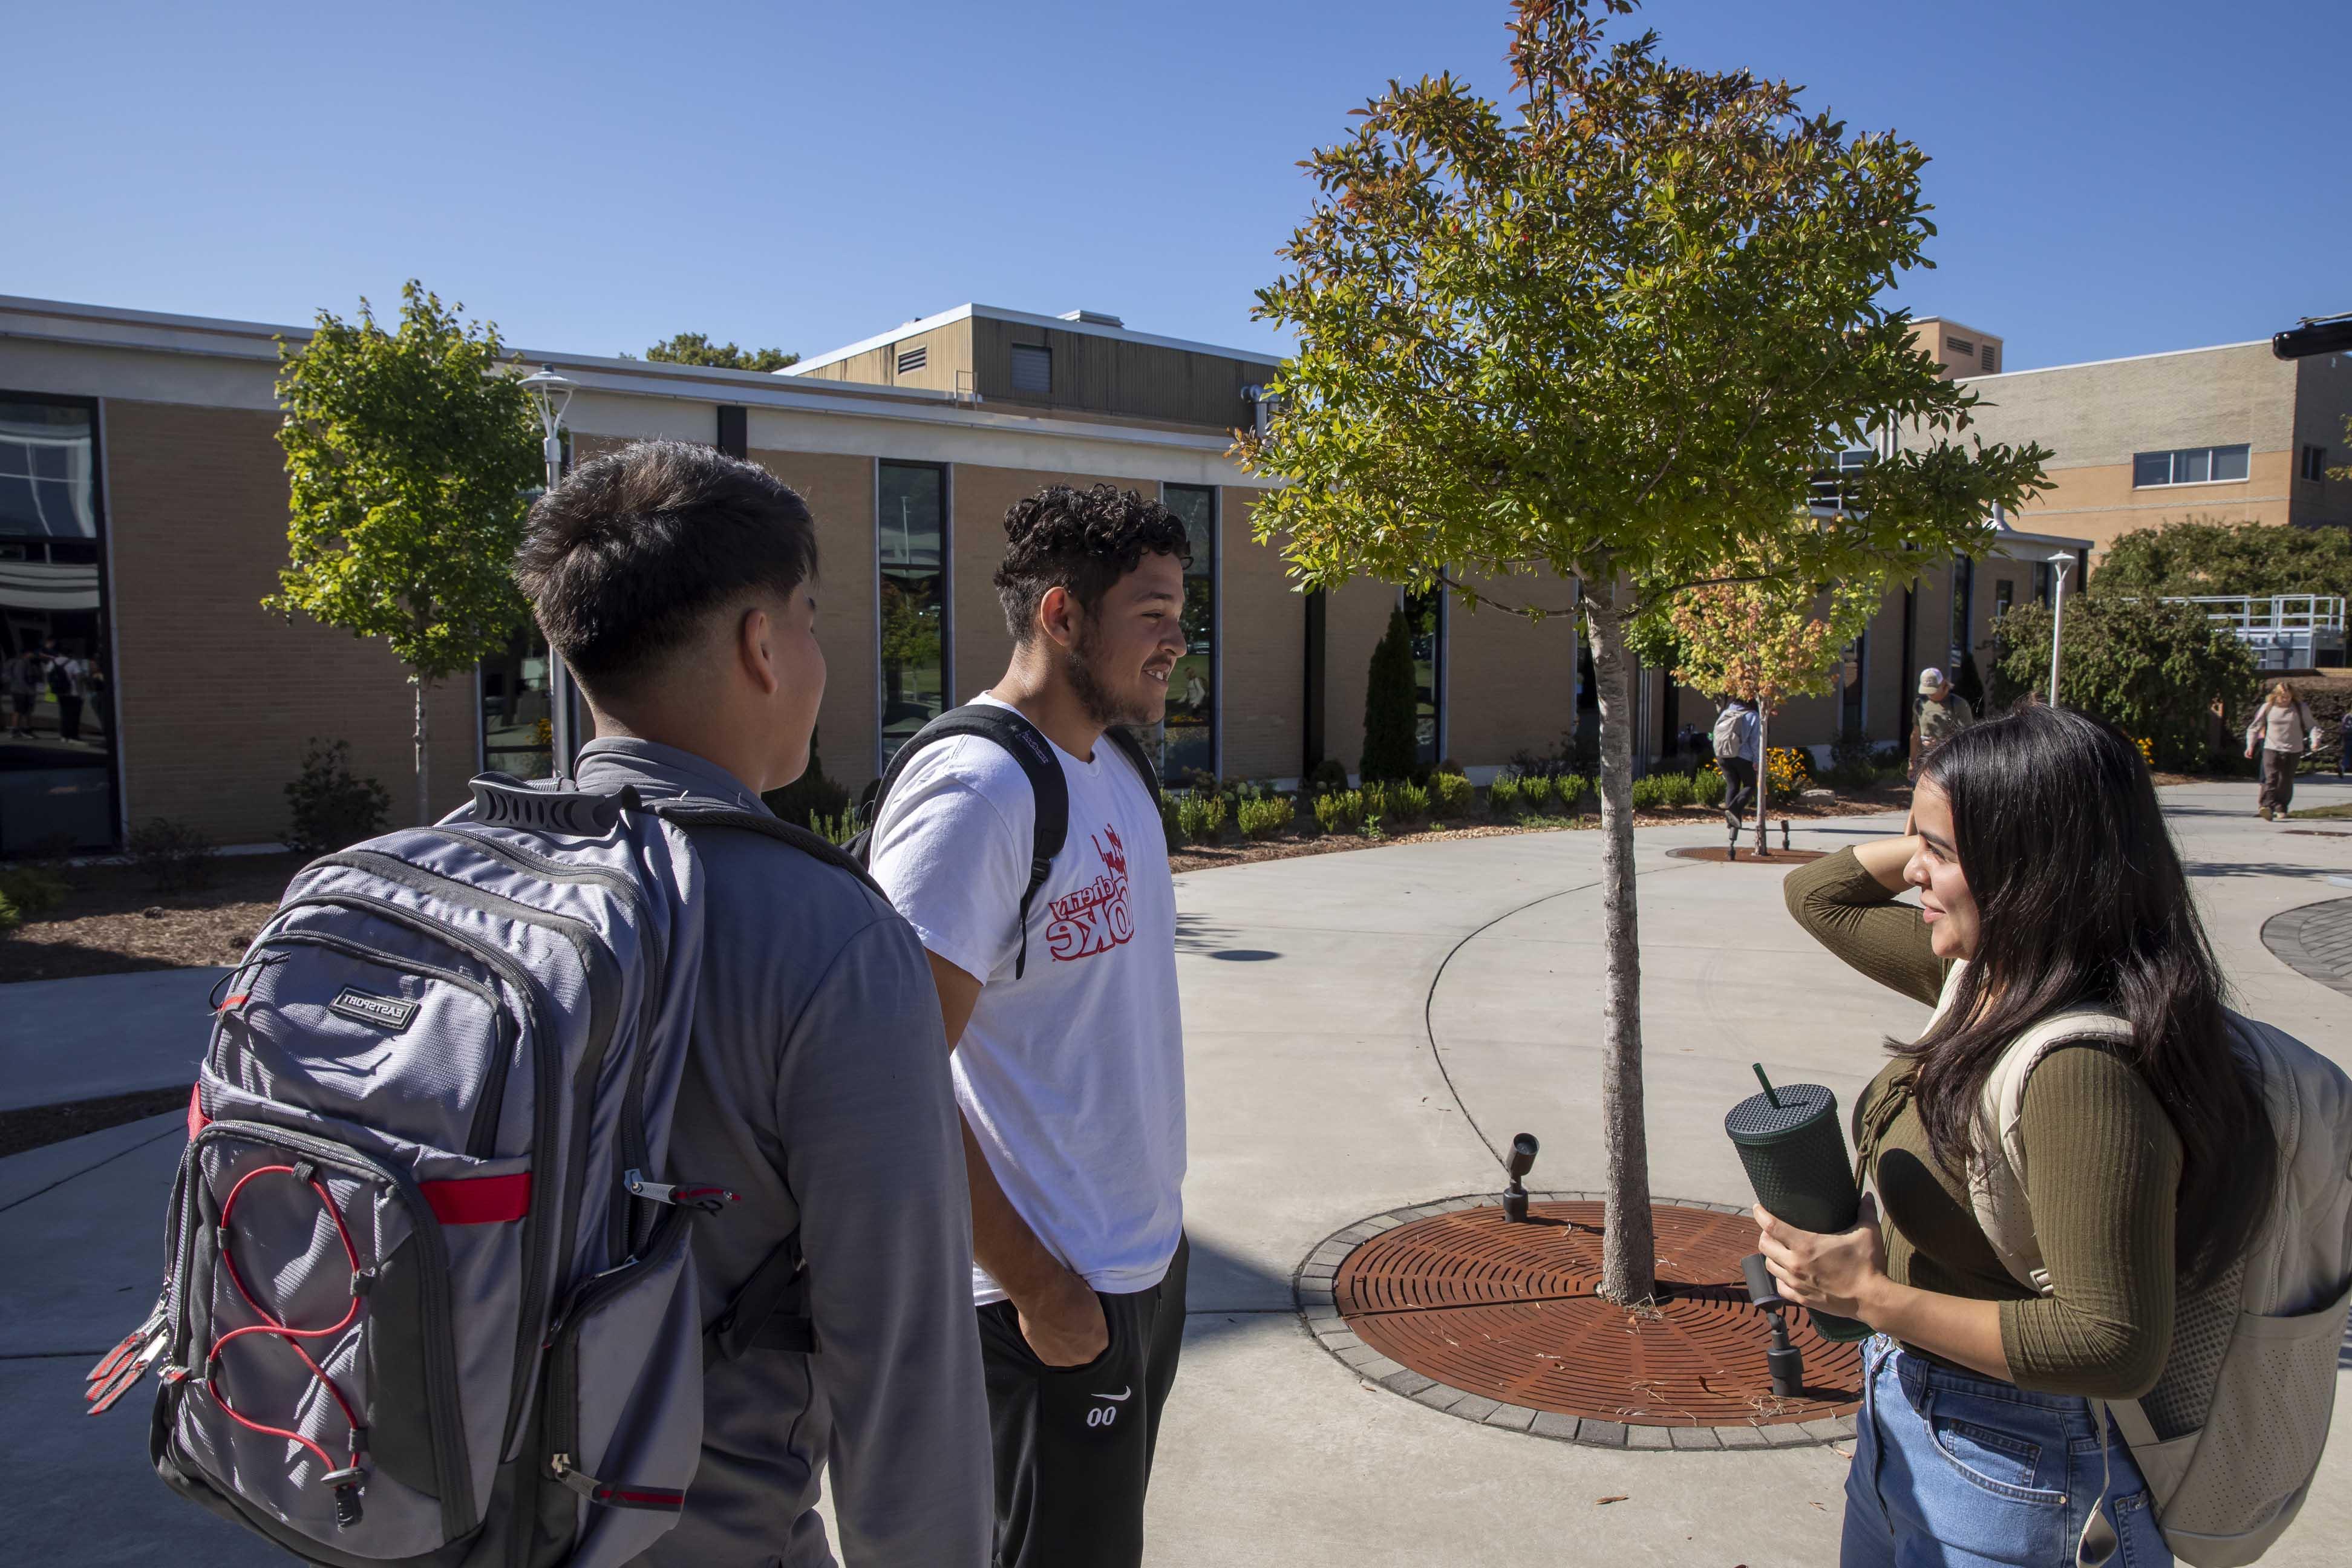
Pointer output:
x,y
2230,1436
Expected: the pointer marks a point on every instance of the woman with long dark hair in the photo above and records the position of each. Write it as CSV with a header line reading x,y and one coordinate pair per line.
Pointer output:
x,y
2048,883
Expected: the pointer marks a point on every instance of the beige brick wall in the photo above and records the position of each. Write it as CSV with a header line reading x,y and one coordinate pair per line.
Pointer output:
x,y
216,696
1510,682
1263,625
840,492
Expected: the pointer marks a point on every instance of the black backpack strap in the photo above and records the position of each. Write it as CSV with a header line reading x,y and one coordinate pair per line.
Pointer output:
x,y
770,1312
1133,749
1047,788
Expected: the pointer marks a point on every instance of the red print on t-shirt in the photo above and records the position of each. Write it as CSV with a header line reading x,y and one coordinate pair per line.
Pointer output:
x,y
1095,919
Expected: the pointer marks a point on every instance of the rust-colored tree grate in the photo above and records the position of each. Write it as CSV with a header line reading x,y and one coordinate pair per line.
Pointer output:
x,y
1509,1311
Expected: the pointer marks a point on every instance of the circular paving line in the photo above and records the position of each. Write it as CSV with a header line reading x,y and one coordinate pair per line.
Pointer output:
x,y
2314,941
1450,1305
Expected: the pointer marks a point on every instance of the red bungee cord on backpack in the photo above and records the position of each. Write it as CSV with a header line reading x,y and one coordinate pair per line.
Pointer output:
x,y
348,1480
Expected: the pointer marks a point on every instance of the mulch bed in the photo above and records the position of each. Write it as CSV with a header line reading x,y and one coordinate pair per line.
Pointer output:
x,y
113,922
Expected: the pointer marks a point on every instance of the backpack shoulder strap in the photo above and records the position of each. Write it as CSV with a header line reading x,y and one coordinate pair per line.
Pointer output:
x,y
1997,1179
1048,790
691,814
1132,749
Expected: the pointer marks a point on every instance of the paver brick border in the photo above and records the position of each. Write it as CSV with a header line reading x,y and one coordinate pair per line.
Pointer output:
x,y
1318,1312
2314,941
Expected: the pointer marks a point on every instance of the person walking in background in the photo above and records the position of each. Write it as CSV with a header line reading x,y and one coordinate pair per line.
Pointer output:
x,y
1941,713
1062,1012
65,686
1735,737
2281,730
23,677
2148,1160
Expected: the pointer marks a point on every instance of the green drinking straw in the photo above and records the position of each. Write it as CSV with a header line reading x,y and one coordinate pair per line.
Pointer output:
x,y
1766,1082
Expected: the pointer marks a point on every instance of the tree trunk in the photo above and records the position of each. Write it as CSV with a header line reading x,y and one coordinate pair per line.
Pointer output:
x,y
423,771
1763,773
1629,1250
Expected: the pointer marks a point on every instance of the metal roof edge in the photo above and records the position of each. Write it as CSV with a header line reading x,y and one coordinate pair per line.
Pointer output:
x,y
2120,359
1027,319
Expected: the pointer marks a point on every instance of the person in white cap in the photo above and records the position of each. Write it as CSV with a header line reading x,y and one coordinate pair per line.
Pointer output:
x,y
1941,711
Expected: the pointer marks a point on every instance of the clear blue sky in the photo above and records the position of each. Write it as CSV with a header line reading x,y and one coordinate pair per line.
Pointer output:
x,y
2110,178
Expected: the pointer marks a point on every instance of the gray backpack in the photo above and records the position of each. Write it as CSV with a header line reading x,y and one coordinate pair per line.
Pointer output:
x,y
429,1288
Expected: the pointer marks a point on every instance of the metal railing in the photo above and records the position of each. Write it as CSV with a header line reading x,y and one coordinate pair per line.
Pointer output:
x,y
2287,631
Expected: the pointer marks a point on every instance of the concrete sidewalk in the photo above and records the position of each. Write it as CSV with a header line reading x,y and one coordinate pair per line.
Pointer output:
x,y
1360,1026
107,1035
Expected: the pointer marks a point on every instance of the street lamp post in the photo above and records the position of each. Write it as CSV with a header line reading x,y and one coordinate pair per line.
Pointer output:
x,y
553,393
2061,561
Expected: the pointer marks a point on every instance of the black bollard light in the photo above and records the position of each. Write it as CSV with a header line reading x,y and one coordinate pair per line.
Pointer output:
x,y
1784,832
1784,1361
1522,1160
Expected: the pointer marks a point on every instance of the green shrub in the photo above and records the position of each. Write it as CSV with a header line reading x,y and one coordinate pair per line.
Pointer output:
x,y
1570,790
1263,816
1329,778
328,808
171,855
9,919
1503,798
1536,790
837,829
1646,790
1854,757
1201,817
1375,797
2153,670
1172,825
33,890
1707,786
1450,796
1342,811
1407,804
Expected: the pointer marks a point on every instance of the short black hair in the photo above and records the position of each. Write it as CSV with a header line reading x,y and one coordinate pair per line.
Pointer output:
x,y
1083,541
623,558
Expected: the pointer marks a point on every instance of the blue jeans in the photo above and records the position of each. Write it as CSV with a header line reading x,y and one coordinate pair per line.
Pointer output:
x,y
1952,1470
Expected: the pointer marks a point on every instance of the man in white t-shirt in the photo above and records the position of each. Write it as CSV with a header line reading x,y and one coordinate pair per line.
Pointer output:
x,y
1068,1046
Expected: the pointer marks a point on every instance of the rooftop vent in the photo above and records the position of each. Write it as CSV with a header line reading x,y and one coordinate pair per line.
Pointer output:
x,y
1092,318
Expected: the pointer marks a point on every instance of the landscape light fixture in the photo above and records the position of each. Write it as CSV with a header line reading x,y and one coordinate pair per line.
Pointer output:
x,y
2061,561
2314,335
1520,1160
553,394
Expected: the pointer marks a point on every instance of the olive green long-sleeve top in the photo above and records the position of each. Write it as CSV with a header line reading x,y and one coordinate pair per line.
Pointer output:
x,y
2103,1170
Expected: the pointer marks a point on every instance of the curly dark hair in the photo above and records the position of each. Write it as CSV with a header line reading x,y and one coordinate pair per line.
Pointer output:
x,y
1083,541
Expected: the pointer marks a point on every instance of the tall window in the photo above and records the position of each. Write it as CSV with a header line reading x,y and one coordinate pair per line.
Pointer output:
x,y
910,526
2004,594
2188,465
1424,619
518,723
1852,684
1188,742
56,684
2044,575
2313,465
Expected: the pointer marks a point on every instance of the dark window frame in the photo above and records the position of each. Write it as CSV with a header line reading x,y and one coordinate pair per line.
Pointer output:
x,y
2312,464
946,472
2172,456
1215,573
103,538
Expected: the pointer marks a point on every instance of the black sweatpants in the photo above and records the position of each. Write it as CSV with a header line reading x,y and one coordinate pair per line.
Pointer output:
x,y
1739,786
1074,1444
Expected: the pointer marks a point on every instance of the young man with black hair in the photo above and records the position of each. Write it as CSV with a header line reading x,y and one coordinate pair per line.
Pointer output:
x,y
1069,1045
675,581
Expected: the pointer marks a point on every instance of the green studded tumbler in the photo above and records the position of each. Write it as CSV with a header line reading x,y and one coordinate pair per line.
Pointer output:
x,y
1789,1140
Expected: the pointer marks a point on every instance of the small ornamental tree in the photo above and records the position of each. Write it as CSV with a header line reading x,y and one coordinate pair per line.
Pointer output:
x,y
1391,749
693,348
410,459
1606,339
1766,641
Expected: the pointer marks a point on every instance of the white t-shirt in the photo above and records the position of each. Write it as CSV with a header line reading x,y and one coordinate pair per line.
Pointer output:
x,y
1072,1076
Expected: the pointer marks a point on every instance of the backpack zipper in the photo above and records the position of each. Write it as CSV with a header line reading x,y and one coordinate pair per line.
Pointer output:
x,y
562,1431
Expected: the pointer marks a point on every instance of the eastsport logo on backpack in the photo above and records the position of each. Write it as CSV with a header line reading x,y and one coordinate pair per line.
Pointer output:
x,y
385,1012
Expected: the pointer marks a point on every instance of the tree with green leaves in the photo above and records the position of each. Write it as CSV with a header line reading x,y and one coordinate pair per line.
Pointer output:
x,y
2206,556
410,459
1392,748
693,348
1606,339
2154,671
1765,640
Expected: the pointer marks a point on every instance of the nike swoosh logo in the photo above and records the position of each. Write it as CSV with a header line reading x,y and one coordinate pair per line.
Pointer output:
x,y
1114,1398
